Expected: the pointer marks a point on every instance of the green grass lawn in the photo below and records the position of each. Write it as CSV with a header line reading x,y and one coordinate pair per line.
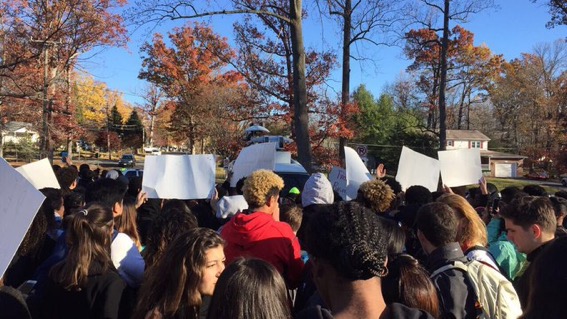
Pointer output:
x,y
502,183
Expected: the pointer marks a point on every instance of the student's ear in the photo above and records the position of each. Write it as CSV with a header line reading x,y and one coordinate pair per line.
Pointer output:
x,y
273,201
117,209
536,230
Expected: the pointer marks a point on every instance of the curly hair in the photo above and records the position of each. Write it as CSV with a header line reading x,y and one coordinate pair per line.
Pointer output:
x,y
260,187
376,195
472,230
351,238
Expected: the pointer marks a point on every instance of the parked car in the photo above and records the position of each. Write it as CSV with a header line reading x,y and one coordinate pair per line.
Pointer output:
x,y
564,181
131,173
293,174
152,150
539,175
127,160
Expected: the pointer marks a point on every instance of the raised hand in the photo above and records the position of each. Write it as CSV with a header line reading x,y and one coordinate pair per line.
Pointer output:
x,y
380,171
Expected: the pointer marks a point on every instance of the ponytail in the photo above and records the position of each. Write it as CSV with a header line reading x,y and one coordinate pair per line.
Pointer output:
x,y
88,239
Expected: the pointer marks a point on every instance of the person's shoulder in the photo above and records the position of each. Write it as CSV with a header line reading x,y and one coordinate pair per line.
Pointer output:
x,y
110,275
400,311
122,239
284,229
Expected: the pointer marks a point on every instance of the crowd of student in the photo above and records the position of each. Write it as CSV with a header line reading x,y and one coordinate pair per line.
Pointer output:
x,y
98,248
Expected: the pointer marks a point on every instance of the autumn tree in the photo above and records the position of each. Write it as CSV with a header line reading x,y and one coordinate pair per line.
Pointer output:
x,y
529,102
266,61
111,138
153,100
472,70
157,11
89,97
58,31
449,10
183,72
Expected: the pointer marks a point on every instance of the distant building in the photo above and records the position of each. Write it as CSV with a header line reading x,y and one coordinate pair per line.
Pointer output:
x,y
495,164
459,139
16,131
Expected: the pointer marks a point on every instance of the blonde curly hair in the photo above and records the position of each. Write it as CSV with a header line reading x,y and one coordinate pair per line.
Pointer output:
x,y
261,185
376,195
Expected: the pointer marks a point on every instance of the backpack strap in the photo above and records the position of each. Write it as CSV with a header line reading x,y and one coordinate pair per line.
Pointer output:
x,y
452,265
498,267
464,267
479,247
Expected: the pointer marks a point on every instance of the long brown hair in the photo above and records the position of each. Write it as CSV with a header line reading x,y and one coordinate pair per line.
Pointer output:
x,y
126,223
171,285
88,237
408,283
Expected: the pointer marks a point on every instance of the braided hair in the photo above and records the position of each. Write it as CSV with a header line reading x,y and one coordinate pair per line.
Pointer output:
x,y
351,238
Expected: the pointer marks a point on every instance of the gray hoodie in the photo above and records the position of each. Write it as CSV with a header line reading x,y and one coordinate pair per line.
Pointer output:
x,y
317,190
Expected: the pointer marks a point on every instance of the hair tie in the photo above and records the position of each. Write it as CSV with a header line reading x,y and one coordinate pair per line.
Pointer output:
x,y
84,212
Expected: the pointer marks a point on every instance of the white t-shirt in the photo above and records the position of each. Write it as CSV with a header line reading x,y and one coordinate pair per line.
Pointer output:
x,y
127,259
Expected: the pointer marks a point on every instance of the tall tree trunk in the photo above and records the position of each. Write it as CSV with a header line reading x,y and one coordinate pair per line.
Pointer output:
x,y
461,109
443,81
469,113
191,136
152,121
69,113
45,106
345,90
301,114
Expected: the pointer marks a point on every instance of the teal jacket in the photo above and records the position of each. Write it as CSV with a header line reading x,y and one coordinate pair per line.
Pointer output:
x,y
505,253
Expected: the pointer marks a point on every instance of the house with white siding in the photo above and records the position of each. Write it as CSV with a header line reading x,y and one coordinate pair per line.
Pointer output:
x,y
16,131
495,164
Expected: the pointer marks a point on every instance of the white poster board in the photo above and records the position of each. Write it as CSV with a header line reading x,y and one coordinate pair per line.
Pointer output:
x,y
179,176
460,167
417,169
40,174
356,173
20,202
253,158
338,179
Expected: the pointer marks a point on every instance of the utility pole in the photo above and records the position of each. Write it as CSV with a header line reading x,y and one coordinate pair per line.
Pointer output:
x,y
45,145
108,130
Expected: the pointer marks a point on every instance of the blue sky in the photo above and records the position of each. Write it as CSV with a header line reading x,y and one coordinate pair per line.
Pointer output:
x,y
513,28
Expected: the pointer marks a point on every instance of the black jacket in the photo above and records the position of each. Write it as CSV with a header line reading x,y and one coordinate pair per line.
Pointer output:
x,y
456,293
522,283
101,298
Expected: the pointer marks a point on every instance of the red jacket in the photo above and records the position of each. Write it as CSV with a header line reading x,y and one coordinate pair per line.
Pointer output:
x,y
259,235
